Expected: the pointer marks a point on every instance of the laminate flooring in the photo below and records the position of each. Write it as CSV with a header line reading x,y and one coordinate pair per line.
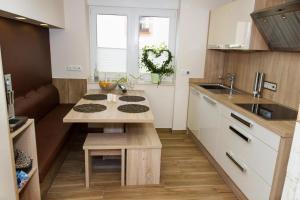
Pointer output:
x,y
186,174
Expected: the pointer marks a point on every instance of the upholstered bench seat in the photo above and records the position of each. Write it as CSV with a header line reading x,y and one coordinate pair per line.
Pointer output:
x,y
42,104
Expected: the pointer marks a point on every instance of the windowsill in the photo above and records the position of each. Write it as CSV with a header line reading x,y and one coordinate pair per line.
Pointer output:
x,y
163,83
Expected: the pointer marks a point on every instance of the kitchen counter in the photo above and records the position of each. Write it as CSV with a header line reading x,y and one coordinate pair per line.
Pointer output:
x,y
284,129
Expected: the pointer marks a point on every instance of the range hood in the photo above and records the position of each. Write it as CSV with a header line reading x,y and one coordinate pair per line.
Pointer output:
x,y
280,26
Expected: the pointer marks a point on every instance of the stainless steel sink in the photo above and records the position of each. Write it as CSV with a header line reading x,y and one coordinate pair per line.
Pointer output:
x,y
219,89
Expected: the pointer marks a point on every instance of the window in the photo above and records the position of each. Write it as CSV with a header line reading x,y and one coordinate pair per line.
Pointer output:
x,y
111,43
153,31
118,36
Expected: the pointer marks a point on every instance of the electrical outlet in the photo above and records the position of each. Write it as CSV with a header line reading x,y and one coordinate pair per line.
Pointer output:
x,y
270,86
76,68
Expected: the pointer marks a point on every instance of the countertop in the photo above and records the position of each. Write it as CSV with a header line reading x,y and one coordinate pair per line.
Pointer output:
x,y
281,128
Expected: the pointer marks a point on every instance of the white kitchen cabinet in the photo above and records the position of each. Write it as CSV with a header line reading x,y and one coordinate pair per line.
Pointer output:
x,y
231,27
246,151
203,117
193,111
208,123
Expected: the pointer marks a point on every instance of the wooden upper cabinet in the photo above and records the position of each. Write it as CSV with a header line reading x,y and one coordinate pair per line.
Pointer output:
x,y
231,27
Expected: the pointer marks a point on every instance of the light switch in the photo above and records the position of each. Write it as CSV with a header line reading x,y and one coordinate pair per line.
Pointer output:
x,y
74,68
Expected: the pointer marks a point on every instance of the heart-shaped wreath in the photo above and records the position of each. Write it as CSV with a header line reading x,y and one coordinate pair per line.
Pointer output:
x,y
162,69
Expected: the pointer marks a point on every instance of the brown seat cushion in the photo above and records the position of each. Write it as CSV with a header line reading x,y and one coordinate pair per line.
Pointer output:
x,y
37,103
51,133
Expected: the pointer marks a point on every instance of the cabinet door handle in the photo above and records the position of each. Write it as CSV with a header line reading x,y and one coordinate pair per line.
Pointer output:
x,y
208,100
234,46
195,92
239,134
243,169
246,123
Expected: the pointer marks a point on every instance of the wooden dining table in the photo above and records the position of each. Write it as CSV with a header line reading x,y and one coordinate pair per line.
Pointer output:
x,y
142,144
111,114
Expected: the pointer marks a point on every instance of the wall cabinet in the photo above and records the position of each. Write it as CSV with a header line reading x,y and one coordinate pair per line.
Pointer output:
x,y
231,27
249,153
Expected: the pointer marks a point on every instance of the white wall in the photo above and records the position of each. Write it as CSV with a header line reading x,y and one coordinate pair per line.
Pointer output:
x,y
47,11
71,47
8,187
191,51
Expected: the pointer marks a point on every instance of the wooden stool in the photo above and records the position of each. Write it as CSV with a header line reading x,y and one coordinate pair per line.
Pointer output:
x,y
97,144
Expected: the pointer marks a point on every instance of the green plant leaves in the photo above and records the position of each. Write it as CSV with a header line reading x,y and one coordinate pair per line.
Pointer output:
x,y
163,69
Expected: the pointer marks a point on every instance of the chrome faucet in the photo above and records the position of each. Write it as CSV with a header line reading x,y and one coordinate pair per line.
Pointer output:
x,y
231,77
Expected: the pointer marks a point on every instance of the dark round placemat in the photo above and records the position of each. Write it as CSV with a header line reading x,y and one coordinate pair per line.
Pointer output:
x,y
95,97
89,108
132,98
133,108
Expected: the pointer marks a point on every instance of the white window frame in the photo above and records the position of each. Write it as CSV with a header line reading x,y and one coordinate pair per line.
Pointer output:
x,y
133,15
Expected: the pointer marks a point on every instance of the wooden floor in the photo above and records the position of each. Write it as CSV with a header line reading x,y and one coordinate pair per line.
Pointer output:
x,y
186,175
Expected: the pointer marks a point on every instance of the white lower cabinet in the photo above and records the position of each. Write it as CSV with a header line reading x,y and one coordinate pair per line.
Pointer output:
x,y
203,115
250,183
257,155
193,111
245,150
208,124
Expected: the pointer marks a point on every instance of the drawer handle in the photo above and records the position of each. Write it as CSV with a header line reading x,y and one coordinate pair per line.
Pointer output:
x,y
208,100
195,92
246,123
239,134
243,169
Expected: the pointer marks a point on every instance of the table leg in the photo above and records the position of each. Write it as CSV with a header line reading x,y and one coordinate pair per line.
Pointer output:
x,y
123,167
88,166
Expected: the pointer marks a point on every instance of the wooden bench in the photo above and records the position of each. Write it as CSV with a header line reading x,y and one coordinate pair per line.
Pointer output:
x,y
140,146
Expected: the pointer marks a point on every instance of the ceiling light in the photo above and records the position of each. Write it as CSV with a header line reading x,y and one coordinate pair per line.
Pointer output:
x,y
44,24
20,18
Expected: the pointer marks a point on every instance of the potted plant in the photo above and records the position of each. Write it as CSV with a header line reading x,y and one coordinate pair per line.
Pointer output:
x,y
157,61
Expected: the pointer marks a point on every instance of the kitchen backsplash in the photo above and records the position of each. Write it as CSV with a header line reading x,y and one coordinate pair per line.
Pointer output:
x,y
282,68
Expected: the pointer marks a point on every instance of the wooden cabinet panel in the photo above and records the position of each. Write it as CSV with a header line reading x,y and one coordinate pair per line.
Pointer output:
x,y
148,170
70,90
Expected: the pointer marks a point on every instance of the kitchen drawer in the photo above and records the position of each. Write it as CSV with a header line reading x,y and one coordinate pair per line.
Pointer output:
x,y
250,183
257,155
263,134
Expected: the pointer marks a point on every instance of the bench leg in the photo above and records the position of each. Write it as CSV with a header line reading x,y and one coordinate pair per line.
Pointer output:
x,y
88,166
122,167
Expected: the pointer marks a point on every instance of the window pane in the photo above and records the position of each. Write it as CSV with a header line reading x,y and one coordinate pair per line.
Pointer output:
x,y
153,31
111,43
